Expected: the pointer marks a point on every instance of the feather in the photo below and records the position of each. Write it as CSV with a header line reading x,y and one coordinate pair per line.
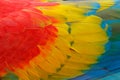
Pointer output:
x,y
59,40
108,66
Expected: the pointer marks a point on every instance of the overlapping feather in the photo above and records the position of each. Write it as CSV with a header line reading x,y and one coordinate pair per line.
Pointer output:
x,y
84,46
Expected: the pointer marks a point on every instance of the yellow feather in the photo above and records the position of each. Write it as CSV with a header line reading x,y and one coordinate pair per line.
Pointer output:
x,y
80,42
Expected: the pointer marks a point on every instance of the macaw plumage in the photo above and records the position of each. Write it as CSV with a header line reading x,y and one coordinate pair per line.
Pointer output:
x,y
59,40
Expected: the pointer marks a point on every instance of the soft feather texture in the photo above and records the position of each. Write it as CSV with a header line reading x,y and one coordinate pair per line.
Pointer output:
x,y
66,40
108,65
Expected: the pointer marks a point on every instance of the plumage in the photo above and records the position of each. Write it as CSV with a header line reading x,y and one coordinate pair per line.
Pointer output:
x,y
50,40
